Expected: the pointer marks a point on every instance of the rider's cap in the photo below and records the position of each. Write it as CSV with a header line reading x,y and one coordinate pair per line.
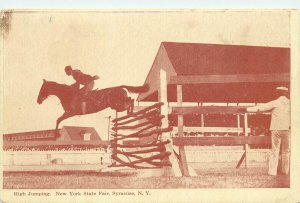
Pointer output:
x,y
282,88
68,68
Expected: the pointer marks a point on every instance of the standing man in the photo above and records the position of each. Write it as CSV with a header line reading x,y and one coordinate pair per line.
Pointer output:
x,y
280,129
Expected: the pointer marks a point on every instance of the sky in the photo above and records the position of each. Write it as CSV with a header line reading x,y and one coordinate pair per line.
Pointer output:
x,y
118,46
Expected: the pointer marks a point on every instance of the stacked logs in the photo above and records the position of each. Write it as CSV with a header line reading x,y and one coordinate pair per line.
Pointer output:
x,y
143,124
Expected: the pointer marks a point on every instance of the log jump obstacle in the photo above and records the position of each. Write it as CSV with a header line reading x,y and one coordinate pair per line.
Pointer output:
x,y
150,150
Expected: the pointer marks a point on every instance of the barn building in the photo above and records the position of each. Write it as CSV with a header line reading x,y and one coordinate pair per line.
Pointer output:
x,y
219,73
210,82
208,85
68,136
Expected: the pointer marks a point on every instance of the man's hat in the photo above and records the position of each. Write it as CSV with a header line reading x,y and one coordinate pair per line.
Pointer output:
x,y
282,88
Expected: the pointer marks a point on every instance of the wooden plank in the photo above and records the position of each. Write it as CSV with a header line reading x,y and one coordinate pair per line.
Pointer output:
x,y
213,129
152,113
224,141
207,110
148,108
156,121
135,145
241,160
136,133
132,164
147,134
237,78
142,151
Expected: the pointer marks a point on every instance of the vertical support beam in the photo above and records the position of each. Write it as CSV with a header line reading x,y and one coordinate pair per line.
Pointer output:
x,y
202,123
238,121
108,128
115,142
246,134
48,159
182,156
162,97
202,120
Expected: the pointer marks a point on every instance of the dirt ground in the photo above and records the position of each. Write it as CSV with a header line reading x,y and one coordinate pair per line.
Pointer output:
x,y
217,177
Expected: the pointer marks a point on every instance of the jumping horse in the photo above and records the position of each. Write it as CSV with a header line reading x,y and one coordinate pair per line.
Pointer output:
x,y
97,100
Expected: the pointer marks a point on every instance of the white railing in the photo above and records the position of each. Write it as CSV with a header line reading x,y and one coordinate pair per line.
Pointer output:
x,y
208,155
213,129
221,156
47,157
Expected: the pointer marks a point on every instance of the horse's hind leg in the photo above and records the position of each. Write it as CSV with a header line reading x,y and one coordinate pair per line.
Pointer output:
x,y
130,106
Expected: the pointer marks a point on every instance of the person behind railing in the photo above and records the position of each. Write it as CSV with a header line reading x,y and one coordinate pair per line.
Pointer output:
x,y
280,129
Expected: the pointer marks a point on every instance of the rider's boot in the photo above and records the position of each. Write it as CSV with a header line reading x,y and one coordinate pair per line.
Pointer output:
x,y
83,107
89,98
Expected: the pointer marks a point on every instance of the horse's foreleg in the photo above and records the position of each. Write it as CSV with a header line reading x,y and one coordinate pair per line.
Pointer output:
x,y
60,119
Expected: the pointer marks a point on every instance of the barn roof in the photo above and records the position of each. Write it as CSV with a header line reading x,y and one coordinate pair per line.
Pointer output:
x,y
211,59
76,132
69,135
33,135
219,73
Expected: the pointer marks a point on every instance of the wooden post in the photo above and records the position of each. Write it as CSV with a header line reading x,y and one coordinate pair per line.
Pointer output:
x,y
202,124
162,97
246,134
108,128
182,155
238,122
48,159
115,142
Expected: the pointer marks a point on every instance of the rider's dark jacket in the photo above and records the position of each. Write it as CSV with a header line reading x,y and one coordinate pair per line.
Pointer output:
x,y
82,78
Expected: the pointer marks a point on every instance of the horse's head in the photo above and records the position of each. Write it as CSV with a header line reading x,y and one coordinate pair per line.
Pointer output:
x,y
44,92
62,91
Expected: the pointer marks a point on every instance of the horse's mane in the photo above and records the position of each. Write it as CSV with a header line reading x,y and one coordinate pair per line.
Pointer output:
x,y
57,84
65,86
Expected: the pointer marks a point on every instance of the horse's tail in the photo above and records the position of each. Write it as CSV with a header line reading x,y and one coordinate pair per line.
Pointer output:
x,y
136,89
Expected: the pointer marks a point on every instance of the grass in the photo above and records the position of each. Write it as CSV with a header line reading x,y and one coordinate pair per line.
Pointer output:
x,y
207,178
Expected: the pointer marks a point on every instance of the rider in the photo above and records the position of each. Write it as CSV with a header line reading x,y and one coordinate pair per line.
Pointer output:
x,y
81,79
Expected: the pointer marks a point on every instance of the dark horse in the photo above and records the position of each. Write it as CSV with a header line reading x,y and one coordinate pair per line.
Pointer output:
x,y
115,97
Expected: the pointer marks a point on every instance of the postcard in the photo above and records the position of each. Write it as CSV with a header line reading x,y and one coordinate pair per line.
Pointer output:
x,y
150,106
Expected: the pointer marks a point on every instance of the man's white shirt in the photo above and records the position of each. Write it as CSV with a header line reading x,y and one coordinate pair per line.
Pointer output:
x,y
280,109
